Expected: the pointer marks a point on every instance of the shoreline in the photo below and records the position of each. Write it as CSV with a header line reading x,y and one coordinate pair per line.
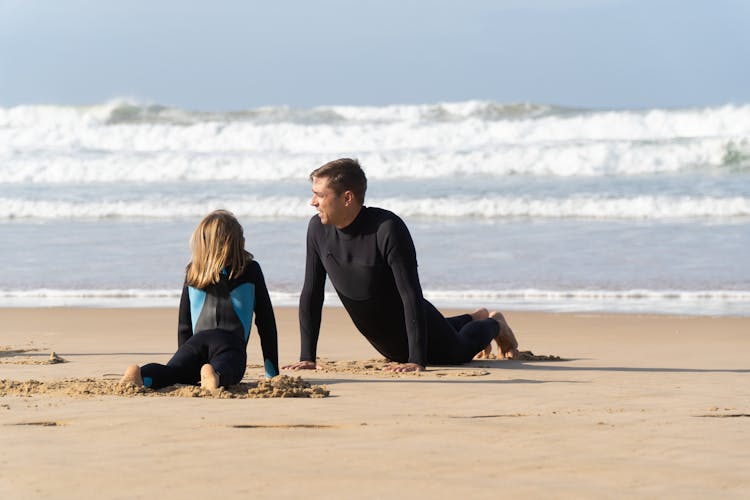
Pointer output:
x,y
447,310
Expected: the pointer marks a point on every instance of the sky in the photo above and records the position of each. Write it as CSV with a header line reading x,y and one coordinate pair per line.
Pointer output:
x,y
234,54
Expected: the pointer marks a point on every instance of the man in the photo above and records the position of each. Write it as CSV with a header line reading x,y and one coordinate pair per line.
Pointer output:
x,y
369,255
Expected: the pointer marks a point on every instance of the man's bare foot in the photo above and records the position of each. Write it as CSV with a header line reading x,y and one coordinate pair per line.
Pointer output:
x,y
132,376
485,353
209,378
480,314
506,340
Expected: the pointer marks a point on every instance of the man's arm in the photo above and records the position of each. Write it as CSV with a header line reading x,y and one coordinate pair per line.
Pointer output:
x,y
311,301
398,249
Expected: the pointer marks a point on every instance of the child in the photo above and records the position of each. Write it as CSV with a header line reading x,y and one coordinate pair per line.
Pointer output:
x,y
224,286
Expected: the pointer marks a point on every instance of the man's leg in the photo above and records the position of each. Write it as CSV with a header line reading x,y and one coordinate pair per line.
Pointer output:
x,y
446,345
458,322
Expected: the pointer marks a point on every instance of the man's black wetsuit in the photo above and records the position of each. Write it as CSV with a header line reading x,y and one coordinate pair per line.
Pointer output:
x,y
373,267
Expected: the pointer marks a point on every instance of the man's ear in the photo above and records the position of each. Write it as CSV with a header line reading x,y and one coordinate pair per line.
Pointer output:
x,y
348,198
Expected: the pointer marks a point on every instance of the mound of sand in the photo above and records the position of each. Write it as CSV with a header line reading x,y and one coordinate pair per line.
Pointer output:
x,y
281,386
11,356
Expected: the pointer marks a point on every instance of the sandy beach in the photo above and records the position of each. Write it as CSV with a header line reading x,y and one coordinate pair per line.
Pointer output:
x,y
638,407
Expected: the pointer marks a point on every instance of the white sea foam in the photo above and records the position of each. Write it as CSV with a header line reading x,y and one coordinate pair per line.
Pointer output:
x,y
639,207
682,302
579,206
157,144
722,302
130,297
635,294
558,159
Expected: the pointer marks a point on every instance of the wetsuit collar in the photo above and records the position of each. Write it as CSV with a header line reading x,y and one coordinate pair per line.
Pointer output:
x,y
355,227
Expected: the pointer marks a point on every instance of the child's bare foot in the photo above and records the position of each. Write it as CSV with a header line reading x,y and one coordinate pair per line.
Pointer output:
x,y
480,314
506,340
132,376
209,378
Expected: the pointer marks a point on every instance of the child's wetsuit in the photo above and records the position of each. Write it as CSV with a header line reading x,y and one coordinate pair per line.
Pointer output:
x,y
214,327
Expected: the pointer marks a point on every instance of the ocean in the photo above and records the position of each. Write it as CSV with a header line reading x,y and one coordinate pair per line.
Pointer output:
x,y
511,206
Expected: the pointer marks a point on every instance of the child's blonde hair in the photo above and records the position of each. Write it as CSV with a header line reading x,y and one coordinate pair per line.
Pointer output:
x,y
217,244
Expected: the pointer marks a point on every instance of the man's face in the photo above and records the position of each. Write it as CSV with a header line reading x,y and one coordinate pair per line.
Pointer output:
x,y
330,206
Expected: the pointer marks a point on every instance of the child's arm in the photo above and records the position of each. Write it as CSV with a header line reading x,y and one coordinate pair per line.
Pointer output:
x,y
184,323
266,323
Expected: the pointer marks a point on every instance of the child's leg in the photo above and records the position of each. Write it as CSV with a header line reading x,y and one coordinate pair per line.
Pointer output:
x,y
228,357
183,368
223,350
157,376
230,366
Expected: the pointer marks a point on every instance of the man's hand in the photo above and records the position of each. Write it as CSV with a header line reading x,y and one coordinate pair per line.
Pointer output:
x,y
404,367
301,365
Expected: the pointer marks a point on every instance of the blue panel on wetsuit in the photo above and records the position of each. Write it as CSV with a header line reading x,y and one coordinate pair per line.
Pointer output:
x,y
270,369
243,301
148,381
197,299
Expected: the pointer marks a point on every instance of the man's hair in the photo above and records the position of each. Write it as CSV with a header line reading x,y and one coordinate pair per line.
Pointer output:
x,y
343,174
217,244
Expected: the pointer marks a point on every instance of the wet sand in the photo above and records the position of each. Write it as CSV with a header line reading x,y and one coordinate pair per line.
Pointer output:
x,y
637,406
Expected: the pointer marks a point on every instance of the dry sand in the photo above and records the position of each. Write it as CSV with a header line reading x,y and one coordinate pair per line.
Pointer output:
x,y
638,407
